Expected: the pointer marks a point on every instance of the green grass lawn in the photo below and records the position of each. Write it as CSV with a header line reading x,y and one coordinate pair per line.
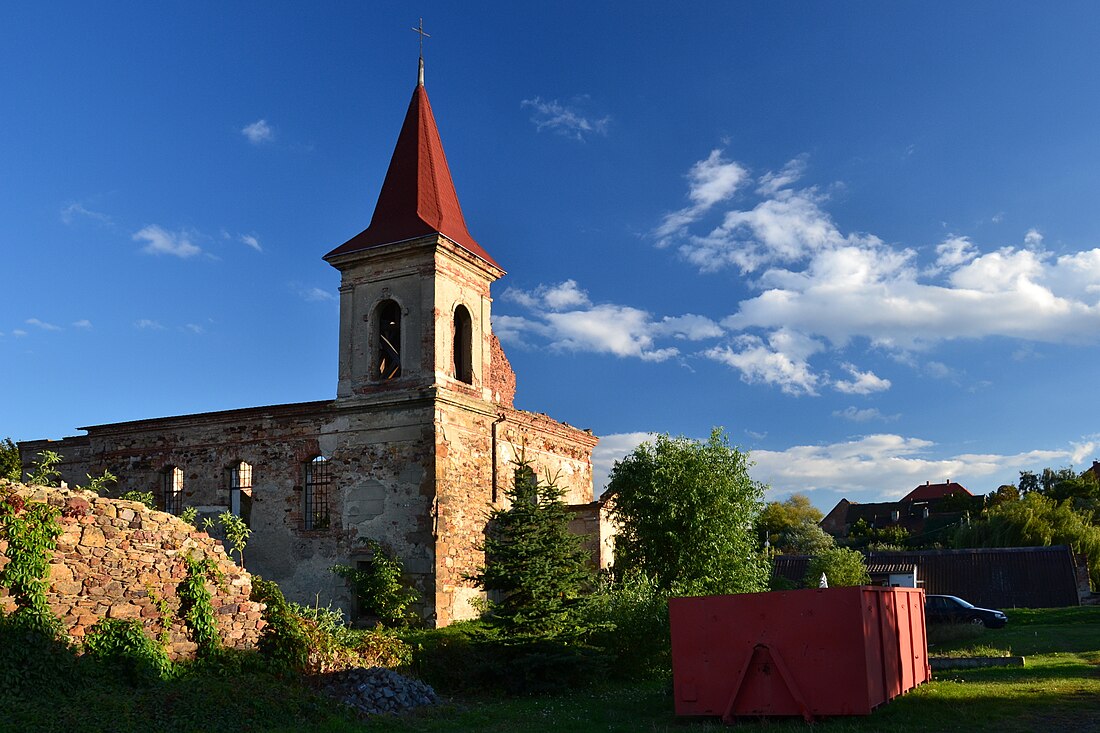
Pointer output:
x,y
1058,690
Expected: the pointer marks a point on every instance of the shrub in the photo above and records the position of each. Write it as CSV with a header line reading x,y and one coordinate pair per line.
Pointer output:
x,y
44,471
477,658
841,565
283,640
122,645
315,639
628,620
379,590
142,497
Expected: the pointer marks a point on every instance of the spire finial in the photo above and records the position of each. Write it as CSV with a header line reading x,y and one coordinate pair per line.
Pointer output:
x,y
420,71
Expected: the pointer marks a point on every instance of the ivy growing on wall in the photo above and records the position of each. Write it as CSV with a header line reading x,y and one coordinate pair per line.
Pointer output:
x,y
31,531
196,607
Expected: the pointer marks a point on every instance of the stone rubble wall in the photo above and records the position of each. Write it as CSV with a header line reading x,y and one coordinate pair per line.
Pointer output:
x,y
120,559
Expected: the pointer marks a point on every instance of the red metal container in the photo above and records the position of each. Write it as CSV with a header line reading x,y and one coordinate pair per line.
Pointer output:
x,y
823,652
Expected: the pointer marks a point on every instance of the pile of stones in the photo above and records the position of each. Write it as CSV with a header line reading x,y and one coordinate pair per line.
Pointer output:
x,y
378,690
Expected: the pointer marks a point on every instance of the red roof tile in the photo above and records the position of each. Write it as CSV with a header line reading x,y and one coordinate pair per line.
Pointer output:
x,y
418,196
929,491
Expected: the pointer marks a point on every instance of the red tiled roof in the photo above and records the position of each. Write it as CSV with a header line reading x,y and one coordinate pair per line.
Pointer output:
x,y
935,491
418,196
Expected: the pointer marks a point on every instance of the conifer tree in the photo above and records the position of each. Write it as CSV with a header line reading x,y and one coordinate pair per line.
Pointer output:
x,y
533,564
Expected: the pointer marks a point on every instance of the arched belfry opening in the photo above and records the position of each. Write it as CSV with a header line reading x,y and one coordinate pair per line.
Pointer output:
x,y
388,347
463,345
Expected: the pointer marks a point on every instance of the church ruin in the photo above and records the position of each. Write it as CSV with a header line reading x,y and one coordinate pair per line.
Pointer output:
x,y
419,440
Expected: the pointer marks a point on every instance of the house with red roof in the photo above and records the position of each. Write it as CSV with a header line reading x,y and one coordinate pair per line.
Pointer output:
x,y
928,507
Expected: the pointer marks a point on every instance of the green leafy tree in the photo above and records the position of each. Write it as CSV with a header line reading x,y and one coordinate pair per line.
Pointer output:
x,y
534,564
842,566
686,512
1036,521
805,539
1029,482
1003,494
11,467
778,517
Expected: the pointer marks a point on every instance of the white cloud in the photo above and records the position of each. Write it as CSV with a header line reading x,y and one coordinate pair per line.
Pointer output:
x,y
557,297
939,370
710,181
607,329
781,361
83,323
70,212
315,295
147,324
18,333
42,325
258,132
1083,452
886,467
861,383
865,415
772,183
824,284
569,120
252,241
688,327
610,449
952,252
194,328
876,467
563,315
160,241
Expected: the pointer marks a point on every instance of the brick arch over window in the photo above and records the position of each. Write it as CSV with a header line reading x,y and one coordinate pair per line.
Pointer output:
x,y
463,345
387,336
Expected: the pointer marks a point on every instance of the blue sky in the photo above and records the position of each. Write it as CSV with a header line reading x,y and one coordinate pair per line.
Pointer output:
x,y
860,236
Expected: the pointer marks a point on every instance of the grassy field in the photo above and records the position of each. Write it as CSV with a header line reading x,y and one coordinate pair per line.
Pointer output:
x,y
1057,690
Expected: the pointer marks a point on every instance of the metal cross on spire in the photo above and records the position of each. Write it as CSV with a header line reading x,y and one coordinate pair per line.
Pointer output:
x,y
420,29
420,66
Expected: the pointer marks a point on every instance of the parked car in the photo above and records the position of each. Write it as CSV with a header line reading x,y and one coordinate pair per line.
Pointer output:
x,y
952,609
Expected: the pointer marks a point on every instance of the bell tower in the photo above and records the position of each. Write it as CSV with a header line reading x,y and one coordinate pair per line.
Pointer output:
x,y
414,292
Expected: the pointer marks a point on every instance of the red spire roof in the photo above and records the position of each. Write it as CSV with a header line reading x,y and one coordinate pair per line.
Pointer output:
x,y
418,196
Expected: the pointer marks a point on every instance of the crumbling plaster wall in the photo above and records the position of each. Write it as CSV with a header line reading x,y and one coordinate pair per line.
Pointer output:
x,y
381,463
118,559
476,449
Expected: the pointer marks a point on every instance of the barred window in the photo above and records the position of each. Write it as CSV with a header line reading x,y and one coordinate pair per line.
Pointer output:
x,y
173,489
318,482
240,490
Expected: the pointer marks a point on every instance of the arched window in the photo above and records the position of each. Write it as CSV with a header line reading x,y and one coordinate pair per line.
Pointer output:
x,y
463,345
240,490
389,340
317,485
173,489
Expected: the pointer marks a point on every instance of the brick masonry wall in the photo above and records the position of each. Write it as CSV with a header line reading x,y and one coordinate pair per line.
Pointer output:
x,y
117,559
